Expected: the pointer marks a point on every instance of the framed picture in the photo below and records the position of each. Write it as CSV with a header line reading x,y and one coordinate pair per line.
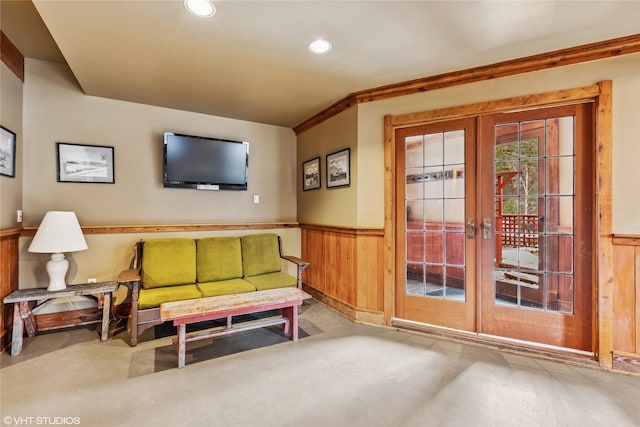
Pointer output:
x,y
7,152
311,174
85,163
339,169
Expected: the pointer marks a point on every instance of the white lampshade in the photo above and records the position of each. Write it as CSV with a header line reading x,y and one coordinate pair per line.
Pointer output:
x,y
58,232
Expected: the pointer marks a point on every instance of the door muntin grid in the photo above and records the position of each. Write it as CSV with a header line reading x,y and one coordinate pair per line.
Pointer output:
x,y
435,213
534,165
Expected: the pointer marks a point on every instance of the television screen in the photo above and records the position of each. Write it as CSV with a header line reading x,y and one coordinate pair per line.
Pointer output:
x,y
205,163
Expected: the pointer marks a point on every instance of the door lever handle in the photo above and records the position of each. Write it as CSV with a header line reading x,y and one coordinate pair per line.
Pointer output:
x,y
471,228
486,229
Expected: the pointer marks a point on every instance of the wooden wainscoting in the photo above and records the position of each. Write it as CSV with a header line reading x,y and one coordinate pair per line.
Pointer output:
x,y
8,279
626,303
346,269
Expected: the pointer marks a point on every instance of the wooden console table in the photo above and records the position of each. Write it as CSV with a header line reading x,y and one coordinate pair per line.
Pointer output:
x,y
22,316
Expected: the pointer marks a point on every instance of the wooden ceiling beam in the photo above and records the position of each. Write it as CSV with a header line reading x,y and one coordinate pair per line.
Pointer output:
x,y
11,56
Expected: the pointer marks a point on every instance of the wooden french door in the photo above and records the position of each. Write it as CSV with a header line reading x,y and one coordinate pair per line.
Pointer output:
x,y
537,197
436,280
494,225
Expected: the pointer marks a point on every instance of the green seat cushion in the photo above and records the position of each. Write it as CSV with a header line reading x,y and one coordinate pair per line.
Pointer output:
x,y
260,254
152,298
225,287
219,258
168,262
272,280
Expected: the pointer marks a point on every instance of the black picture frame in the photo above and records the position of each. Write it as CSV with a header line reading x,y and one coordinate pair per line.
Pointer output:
x,y
7,152
311,174
85,163
339,169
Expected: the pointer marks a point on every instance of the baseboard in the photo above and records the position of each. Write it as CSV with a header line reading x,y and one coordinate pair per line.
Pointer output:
x,y
628,362
5,340
352,313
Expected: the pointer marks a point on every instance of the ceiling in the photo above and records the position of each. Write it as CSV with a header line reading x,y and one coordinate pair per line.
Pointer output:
x,y
250,60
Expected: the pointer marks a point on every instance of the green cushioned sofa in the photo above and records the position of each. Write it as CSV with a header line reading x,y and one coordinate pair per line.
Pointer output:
x,y
176,269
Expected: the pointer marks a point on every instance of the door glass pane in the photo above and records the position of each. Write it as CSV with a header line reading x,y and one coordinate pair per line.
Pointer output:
x,y
435,212
534,199
454,147
415,214
434,251
414,188
415,279
413,151
433,149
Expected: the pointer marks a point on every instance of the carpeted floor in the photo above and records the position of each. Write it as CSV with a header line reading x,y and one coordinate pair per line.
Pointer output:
x,y
338,374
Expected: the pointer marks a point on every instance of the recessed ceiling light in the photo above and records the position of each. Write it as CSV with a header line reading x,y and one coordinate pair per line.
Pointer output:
x,y
319,46
202,8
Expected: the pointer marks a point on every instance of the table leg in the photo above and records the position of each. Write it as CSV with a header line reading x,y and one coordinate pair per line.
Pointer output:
x,y
294,323
182,338
106,305
18,330
291,313
29,321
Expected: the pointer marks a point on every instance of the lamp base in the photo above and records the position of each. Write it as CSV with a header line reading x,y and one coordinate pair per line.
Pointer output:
x,y
57,268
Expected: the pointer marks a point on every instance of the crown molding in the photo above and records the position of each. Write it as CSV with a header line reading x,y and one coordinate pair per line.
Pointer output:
x,y
558,58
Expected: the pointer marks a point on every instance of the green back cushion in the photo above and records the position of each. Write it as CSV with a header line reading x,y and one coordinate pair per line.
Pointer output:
x,y
219,258
168,262
260,254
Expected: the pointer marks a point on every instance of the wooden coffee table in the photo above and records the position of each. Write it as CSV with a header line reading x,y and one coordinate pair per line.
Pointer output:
x,y
183,313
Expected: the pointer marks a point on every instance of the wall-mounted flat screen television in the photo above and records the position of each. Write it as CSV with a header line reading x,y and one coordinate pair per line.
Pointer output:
x,y
205,163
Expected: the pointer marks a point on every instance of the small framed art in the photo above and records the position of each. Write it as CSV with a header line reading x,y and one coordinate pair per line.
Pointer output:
x,y
311,174
7,152
339,169
85,163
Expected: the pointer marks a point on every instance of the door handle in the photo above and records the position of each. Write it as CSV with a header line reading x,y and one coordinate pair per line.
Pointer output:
x,y
486,229
471,228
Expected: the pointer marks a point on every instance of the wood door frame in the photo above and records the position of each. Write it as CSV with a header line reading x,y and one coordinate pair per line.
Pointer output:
x,y
601,95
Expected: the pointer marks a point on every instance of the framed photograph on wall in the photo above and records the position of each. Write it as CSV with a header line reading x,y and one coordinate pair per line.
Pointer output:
x,y
311,174
7,152
85,163
339,169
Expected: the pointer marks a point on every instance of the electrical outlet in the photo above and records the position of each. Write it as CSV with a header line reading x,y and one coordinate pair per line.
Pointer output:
x,y
19,215
92,280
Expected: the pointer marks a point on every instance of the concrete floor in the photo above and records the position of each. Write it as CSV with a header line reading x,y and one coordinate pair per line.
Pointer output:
x,y
338,374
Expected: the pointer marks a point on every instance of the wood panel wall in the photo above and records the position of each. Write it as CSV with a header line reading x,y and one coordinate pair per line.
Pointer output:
x,y
346,269
8,279
626,302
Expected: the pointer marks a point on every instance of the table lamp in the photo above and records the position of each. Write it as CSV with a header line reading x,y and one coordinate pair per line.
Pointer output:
x,y
58,232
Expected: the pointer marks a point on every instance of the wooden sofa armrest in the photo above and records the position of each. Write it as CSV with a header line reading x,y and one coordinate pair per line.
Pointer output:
x,y
133,273
297,261
130,275
300,264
